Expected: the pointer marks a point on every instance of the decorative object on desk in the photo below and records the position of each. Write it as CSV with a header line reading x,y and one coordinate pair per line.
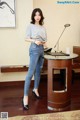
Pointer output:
x,y
7,13
68,50
47,50
57,43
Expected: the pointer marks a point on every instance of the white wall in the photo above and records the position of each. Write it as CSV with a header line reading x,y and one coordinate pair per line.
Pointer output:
x,y
56,15
13,49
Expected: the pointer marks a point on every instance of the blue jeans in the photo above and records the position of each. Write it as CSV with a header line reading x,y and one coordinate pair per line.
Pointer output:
x,y
36,63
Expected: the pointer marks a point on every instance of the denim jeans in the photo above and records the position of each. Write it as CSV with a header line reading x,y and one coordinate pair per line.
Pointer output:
x,y
36,54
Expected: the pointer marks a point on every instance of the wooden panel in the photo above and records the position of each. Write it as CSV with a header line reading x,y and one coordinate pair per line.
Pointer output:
x,y
58,100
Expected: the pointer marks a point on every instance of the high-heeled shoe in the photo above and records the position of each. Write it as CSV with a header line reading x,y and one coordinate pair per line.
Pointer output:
x,y
38,97
25,107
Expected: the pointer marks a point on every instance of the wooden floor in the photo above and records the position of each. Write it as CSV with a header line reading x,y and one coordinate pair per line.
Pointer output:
x,y
10,99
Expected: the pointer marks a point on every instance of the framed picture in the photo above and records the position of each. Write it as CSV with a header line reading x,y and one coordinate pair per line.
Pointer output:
x,y
7,13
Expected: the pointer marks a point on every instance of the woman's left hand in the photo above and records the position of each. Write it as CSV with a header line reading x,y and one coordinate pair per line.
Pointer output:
x,y
42,43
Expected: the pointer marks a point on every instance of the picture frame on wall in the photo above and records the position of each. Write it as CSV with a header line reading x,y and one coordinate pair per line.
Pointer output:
x,y
7,13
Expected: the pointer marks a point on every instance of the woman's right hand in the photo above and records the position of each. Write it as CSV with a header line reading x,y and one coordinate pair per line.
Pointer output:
x,y
38,42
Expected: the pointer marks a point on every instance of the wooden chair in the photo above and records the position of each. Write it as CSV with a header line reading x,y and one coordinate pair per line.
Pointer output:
x,y
76,61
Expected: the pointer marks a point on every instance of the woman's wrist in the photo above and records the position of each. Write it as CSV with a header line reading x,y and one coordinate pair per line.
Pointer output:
x,y
33,41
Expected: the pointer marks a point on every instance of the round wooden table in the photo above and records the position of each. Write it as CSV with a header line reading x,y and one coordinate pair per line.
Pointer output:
x,y
59,100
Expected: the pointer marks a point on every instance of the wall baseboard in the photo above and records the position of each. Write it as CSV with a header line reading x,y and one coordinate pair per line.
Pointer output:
x,y
19,68
13,69
43,79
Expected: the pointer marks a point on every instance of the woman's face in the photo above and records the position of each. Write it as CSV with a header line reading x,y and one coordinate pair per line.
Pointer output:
x,y
37,17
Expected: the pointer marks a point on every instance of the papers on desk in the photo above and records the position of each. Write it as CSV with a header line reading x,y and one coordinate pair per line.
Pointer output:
x,y
56,53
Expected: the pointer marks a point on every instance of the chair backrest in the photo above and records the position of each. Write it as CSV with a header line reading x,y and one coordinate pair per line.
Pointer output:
x,y
76,49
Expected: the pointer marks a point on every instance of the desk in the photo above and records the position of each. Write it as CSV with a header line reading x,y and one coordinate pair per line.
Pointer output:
x,y
60,99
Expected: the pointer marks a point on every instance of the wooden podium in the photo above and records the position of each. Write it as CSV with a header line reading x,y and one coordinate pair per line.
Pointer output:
x,y
59,100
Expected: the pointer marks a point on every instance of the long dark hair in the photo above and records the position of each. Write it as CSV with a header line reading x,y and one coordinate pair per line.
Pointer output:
x,y
33,15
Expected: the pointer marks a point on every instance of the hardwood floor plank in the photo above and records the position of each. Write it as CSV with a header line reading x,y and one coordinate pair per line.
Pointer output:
x,y
10,99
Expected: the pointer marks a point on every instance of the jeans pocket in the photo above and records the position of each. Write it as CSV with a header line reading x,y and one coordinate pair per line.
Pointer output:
x,y
33,46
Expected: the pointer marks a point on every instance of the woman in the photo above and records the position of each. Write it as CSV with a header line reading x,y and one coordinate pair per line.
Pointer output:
x,y
36,34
